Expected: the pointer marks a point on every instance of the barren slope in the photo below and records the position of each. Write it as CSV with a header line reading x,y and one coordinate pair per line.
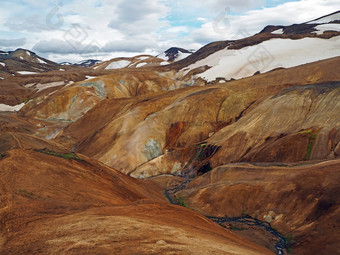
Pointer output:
x,y
55,205
301,123
158,133
74,100
263,149
302,202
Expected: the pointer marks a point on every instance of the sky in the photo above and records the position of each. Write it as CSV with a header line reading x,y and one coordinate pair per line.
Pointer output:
x,y
75,30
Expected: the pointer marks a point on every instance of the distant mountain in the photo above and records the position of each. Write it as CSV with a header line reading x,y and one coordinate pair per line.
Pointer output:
x,y
83,63
65,63
23,62
88,63
274,47
317,26
174,54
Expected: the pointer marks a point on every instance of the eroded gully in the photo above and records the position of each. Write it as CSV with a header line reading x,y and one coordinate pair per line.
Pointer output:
x,y
247,220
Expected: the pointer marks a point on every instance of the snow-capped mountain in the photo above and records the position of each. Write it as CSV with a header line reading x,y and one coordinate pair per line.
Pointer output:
x,y
65,63
274,47
23,62
83,63
88,63
174,54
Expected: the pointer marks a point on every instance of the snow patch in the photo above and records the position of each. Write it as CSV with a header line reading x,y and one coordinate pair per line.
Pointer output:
x,y
164,63
41,61
21,57
330,18
3,64
163,56
90,77
28,53
41,87
118,64
9,108
278,32
266,56
70,83
143,58
2,78
140,65
327,27
61,69
181,55
26,72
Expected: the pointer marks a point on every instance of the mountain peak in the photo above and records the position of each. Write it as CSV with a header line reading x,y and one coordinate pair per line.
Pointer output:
x,y
174,54
23,61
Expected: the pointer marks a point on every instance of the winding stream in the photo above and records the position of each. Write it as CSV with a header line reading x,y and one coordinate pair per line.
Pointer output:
x,y
280,246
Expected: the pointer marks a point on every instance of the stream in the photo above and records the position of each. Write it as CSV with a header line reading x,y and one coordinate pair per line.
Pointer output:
x,y
280,245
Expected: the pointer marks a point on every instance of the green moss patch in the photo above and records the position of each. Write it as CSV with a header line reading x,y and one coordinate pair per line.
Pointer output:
x,y
312,138
180,201
70,155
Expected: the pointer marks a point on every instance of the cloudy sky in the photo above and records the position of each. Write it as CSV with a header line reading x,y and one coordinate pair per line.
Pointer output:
x,y
74,30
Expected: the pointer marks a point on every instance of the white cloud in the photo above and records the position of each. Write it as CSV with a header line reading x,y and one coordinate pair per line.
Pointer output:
x,y
126,27
136,17
254,21
139,45
12,42
64,47
215,6
29,24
